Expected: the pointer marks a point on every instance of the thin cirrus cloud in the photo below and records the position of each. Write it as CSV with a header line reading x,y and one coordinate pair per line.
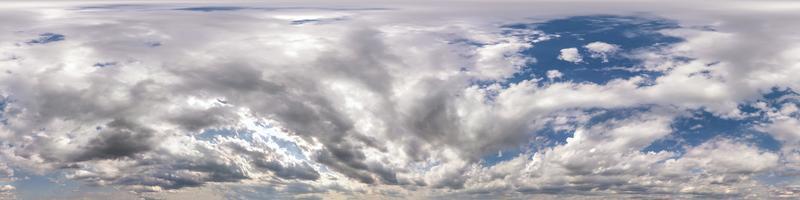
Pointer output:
x,y
354,100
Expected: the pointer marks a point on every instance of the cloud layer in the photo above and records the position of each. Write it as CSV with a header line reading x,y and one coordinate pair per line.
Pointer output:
x,y
397,101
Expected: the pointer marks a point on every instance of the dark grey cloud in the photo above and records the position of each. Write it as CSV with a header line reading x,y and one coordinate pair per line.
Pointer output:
x,y
119,138
348,161
198,119
293,171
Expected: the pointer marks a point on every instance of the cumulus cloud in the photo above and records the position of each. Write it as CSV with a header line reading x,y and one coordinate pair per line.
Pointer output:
x,y
570,55
7,192
601,50
553,74
383,102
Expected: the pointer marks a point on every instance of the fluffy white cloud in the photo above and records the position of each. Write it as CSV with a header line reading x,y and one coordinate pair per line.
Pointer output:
x,y
553,74
601,50
570,55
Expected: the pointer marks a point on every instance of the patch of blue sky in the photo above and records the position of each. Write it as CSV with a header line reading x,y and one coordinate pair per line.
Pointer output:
x,y
45,38
777,97
104,64
31,186
4,101
502,156
244,192
702,126
290,147
304,21
629,33
51,186
315,21
210,134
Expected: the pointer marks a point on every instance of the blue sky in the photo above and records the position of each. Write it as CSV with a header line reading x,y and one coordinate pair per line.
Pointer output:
x,y
630,33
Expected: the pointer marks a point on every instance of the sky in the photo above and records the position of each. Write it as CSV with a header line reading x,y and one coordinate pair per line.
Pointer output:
x,y
400,100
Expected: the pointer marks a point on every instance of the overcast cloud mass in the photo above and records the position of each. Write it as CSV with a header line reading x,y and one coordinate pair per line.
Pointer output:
x,y
390,100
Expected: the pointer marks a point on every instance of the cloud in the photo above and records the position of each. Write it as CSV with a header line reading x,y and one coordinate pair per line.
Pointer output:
x,y
570,55
553,74
601,50
386,102
123,139
7,192
604,158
